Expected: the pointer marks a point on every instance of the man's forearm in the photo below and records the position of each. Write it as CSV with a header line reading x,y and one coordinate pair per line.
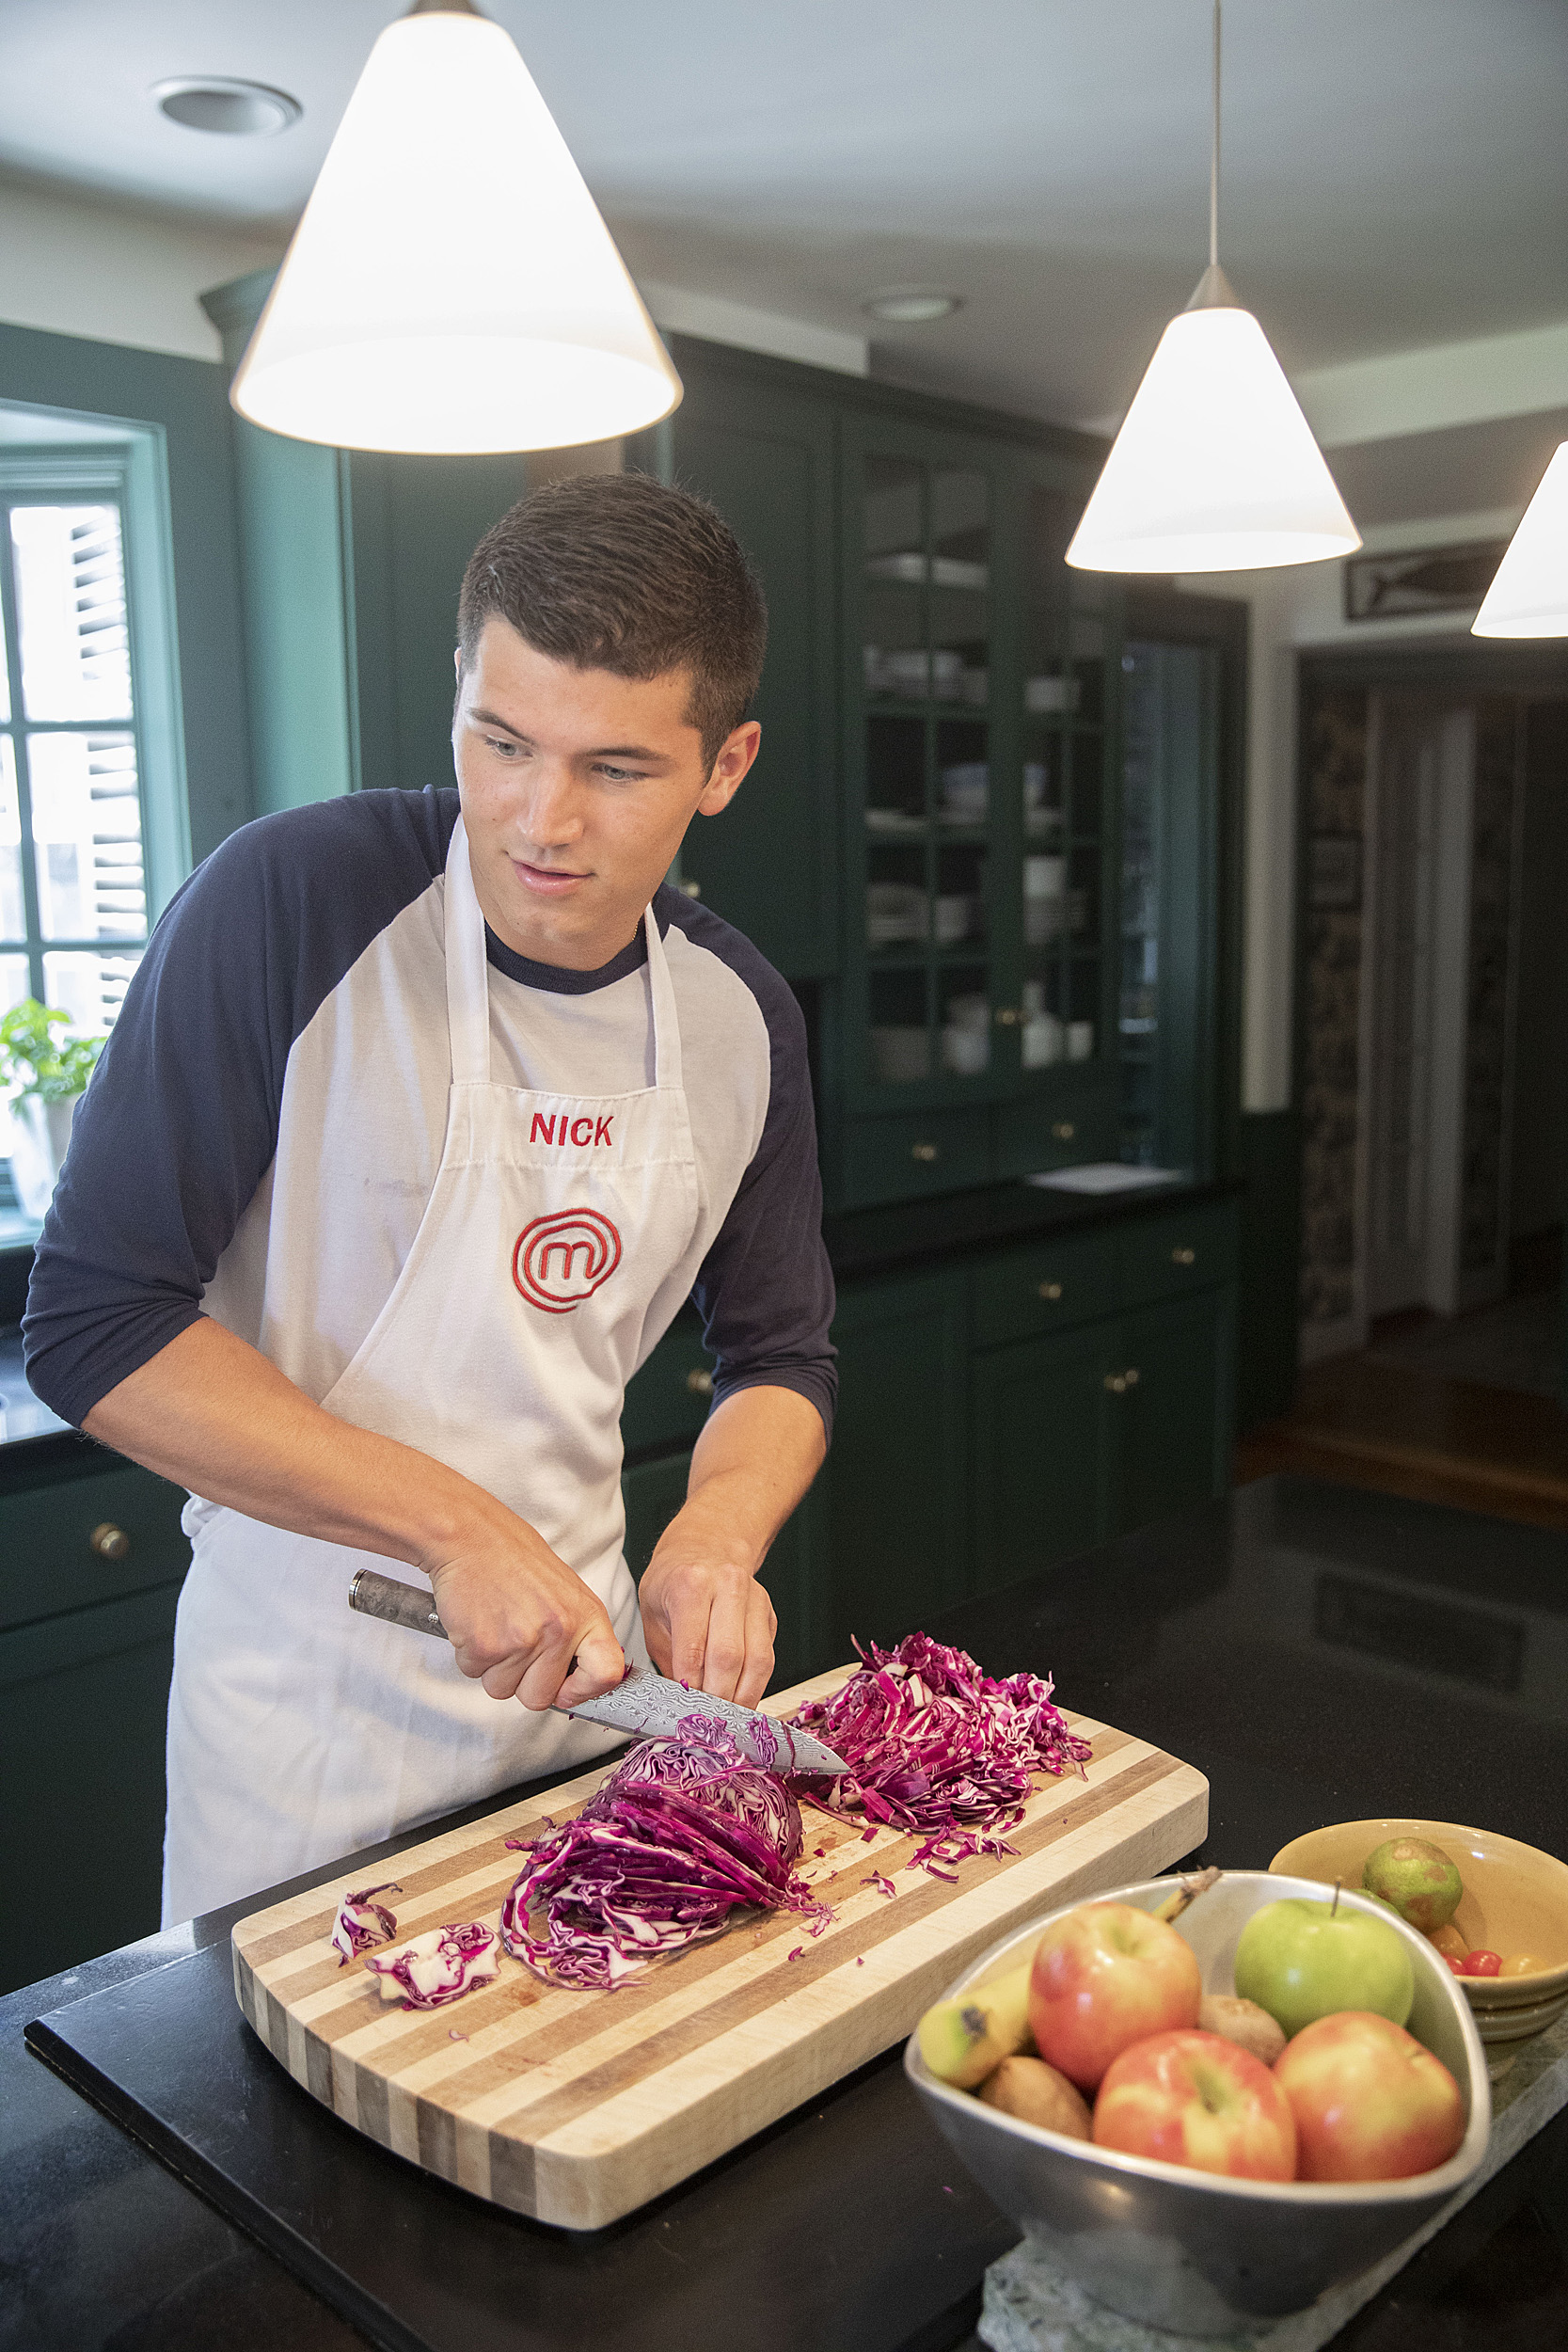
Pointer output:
x,y
755,1458
214,1415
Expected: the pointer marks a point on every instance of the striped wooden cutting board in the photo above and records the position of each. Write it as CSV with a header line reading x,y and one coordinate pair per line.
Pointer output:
x,y
576,2107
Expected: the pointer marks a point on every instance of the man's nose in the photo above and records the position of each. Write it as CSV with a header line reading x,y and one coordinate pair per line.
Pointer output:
x,y
550,812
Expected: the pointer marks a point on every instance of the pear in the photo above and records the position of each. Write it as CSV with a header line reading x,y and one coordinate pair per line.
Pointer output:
x,y
962,2041
1416,1879
1036,2093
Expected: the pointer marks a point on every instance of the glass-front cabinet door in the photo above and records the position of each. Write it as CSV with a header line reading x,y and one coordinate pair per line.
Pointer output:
x,y
922,851
980,834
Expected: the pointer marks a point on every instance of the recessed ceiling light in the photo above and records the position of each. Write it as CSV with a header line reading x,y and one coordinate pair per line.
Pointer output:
x,y
241,110
910,306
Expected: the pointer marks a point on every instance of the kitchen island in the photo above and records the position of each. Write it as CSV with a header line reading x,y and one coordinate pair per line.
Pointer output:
x,y
1320,1653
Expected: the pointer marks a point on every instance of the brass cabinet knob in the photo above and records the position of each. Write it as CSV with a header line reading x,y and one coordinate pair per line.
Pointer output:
x,y
925,1152
109,1541
692,889
1116,1383
1064,1131
1009,1016
1130,1376
699,1382
1183,1257
1050,1289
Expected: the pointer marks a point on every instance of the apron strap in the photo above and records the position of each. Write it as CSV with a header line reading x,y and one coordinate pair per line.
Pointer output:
x,y
667,1027
467,969
469,981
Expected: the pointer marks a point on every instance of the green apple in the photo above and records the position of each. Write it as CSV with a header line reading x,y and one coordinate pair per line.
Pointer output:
x,y
1417,1877
1302,1960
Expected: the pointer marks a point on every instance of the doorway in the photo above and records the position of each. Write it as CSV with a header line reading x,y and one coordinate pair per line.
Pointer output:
x,y
1419,828
1433,1080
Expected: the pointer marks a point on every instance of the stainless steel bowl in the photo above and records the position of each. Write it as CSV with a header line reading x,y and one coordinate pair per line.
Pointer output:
x,y
1191,2252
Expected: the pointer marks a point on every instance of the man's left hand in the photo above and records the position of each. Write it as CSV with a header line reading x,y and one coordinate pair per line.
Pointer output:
x,y
707,1621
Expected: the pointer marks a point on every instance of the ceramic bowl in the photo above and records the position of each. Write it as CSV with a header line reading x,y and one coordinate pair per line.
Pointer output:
x,y
1516,1899
1191,2251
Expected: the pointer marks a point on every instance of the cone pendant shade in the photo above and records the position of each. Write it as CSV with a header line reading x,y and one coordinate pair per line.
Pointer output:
x,y
1215,468
1528,597
451,285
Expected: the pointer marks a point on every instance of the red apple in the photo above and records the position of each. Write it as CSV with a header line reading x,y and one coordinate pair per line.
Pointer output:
x,y
1198,2100
1370,2102
1104,1976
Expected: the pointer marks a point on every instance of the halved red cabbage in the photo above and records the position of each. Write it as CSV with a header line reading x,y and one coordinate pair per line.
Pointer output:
x,y
438,1966
678,1838
936,1746
361,1922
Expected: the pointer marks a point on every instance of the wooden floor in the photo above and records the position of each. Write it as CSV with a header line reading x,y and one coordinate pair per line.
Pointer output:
x,y
1403,1432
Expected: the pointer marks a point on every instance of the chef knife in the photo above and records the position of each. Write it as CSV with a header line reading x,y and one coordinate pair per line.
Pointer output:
x,y
644,1702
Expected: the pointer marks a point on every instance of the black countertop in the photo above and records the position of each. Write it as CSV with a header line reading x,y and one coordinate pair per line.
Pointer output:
x,y
1320,1653
860,1243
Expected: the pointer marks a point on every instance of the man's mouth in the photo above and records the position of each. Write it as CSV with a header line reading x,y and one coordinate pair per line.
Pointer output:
x,y
547,881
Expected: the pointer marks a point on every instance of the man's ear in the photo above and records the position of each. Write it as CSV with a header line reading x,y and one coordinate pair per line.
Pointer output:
x,y
735,756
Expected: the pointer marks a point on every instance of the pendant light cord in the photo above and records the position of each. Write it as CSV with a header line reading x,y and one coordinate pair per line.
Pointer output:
x,y
1215,156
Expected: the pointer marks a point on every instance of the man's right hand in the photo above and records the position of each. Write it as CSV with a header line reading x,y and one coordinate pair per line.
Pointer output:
x,y
518,1615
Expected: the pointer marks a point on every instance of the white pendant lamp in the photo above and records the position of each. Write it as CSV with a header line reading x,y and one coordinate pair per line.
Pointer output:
x,y
451,285
1215,468
1529,596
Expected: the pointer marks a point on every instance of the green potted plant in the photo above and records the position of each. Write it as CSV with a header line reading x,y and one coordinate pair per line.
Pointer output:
x,y
44,1071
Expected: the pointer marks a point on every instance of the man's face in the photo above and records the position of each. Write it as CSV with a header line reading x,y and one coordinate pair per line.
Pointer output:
x,y
577,787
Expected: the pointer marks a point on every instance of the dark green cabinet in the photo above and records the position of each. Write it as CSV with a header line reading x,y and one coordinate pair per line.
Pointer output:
x,y
92,1556
896,1477
765,455
980,822
1172,1416
653,1492
1102,1385
1042,1463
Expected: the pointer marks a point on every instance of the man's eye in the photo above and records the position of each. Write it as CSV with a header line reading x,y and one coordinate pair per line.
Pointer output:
x,y
503,745
622,775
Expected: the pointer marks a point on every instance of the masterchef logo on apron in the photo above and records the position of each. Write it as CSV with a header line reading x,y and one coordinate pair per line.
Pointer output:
x,y
562,1260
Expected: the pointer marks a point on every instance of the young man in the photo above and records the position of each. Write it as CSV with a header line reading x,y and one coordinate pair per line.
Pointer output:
x,y
424,1114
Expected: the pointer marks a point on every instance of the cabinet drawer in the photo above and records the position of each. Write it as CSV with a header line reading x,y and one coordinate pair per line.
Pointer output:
x,y
1045,1288
1076,1124
918,1152
1178,1251
669,1398
79,1541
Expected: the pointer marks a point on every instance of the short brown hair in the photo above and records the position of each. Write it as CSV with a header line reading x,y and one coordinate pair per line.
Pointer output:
x,y
620,572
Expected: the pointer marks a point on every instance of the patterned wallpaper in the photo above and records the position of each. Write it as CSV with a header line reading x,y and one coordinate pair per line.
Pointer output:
x,y
1335,786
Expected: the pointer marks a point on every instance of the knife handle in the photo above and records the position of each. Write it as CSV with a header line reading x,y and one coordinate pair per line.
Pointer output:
x,y
377,1595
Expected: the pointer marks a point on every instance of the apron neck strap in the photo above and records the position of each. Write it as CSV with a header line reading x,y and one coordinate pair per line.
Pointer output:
x,y
467,969
661,990
469,981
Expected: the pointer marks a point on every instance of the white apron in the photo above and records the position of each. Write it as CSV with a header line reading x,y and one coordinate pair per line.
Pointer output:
x,y
298,1730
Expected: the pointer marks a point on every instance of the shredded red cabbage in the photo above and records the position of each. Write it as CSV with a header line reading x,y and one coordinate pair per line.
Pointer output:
x,y
438,1966
361,1922
935,1746
675,1840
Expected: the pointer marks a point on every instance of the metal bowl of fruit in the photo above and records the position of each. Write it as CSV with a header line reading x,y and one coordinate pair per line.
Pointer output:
x,y
1505,1932
1228,2233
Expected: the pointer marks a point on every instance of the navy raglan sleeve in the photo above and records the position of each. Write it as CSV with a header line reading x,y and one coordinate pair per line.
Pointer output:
x,y
765,1289
179,1125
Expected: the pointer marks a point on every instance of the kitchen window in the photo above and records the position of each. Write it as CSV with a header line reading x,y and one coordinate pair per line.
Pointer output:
x,y
93,831
72,871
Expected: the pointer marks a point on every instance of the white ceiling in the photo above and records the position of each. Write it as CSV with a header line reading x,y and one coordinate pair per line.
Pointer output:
x,y
1394,170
